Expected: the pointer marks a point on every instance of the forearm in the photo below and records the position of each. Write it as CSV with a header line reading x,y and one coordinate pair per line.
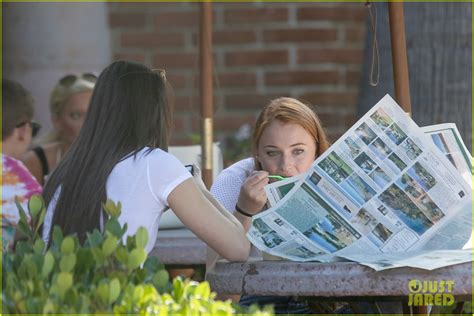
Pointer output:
x,y
232,217
244,220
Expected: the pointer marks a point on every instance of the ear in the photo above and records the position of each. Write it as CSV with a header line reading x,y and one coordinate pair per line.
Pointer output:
x,y
21,132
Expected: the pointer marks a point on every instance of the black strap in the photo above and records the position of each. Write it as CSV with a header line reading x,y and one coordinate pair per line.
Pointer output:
x,y
42,158
238,209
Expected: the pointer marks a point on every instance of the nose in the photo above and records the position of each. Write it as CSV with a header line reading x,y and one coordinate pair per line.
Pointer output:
x,y
287,166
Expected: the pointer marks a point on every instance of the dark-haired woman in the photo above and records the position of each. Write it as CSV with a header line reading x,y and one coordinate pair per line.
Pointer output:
x,y
120,154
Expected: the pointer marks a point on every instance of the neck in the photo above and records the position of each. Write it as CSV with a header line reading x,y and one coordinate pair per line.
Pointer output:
x,y
64,147
10,149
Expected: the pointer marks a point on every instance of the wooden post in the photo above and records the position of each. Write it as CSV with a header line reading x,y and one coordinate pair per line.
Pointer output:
x,y
206,92
399,55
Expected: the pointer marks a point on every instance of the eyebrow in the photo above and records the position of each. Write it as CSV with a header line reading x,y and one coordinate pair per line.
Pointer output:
x,y
293,145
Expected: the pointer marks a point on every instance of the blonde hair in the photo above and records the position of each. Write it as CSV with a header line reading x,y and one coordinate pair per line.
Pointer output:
x,y
61,92
289,110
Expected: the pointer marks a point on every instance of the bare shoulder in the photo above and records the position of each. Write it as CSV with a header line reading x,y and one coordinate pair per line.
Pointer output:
x,y
33,163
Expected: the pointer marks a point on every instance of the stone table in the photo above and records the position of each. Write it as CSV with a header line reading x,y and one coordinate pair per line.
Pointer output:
x,y
345,281
179,247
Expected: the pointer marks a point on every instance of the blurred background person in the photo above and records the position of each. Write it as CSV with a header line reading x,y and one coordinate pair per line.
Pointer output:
x,y
69,103
17,132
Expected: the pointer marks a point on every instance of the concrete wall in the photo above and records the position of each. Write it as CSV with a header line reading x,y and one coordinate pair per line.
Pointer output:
x,y
44,41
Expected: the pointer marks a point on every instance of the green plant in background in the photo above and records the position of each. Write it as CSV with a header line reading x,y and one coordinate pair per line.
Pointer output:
x,y
237,146
102,276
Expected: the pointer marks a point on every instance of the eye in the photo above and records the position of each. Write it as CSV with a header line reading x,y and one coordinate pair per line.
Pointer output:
x,y
272,153
76,115
298,151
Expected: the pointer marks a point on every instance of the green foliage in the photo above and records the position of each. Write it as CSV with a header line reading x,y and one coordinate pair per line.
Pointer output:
x,y
103,275
238,145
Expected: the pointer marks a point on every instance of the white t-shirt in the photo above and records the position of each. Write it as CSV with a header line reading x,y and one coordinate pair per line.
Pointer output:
x,y
226,187
142,185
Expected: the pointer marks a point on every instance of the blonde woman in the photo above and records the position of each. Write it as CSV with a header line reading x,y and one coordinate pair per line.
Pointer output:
x,y
69,103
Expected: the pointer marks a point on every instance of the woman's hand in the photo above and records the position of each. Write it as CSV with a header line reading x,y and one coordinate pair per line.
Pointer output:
x,y
252,197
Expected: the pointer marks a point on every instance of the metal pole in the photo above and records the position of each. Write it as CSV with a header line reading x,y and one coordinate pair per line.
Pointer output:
x,y
206,92
399,55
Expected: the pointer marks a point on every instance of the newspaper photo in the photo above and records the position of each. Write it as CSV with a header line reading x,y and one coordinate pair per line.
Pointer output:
x,y
382,188
448,140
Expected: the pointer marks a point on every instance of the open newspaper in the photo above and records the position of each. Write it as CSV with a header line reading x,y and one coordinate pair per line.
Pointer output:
x,y
382,191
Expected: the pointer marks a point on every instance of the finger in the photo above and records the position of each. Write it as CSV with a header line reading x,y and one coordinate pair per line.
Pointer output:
x,y
257,176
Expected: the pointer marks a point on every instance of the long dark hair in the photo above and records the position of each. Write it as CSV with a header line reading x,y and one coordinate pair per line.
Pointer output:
x,y
129,110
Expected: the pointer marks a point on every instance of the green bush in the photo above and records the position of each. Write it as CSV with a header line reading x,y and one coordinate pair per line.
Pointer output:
x,y
103,275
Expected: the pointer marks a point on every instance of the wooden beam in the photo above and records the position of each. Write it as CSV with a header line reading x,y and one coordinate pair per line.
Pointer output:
x,y
399,55
206,92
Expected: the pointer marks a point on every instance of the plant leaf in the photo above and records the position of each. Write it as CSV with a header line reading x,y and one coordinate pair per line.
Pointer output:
x,y
35,205
67,246
136,258
48,264
109,245
67,262
114,290
141,237
64,281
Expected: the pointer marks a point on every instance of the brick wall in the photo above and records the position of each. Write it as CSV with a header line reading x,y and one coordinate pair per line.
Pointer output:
x,y
312,51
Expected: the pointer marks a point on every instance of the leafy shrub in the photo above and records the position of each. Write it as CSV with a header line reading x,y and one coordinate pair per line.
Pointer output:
x,y
103,275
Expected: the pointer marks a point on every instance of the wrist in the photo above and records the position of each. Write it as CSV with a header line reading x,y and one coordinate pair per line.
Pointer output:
x,y
245,213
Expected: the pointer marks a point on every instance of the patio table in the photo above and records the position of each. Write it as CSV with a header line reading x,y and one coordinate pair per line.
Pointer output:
x,y
344,281
179,247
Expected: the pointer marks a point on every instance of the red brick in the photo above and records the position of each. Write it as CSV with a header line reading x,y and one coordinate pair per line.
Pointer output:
x,y
256,58
302,77
132,57
322,99
232,122
353,77
337,120
191,104
237,79
176,60
356,12
248,101
327,55
357,34
126,20
179,123
151,39
256,15
233,37
177,81
168,20
180,141
300,35
187,104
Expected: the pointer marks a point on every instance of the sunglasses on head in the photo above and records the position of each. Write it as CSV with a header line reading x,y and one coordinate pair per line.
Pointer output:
x,y
35,127
160,72
69,80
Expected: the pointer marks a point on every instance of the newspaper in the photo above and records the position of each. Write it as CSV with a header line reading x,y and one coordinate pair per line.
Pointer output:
x,y
382,188
448,140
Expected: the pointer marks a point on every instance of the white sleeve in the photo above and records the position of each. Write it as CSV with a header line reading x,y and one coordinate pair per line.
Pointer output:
x,y
226,189
164,172
48,218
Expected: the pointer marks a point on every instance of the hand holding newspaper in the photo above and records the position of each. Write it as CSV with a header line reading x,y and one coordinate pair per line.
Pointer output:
x,y
383,190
